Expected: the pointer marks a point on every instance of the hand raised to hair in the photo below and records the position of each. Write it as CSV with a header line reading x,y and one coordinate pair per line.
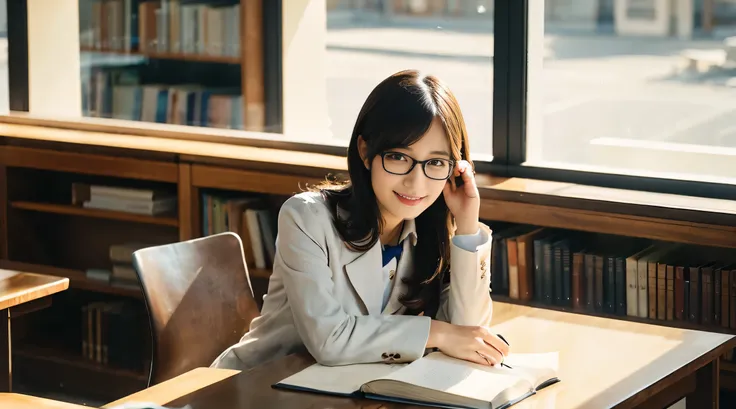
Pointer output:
x,y
463,201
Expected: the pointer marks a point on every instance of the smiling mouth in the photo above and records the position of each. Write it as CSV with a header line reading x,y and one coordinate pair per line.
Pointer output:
x,y
410,200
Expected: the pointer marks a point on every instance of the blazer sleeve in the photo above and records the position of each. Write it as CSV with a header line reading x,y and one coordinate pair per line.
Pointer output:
x,y
467,299
332,336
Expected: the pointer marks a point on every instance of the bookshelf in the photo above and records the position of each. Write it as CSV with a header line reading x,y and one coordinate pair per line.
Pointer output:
x,y
187,62
43,229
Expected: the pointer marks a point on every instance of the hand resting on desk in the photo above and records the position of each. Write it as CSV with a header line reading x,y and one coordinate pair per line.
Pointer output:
x,y
471,343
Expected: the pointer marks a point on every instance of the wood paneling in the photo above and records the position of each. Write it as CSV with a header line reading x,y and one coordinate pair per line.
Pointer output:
x,y
185,202
88,164
246,180
611,223
96,213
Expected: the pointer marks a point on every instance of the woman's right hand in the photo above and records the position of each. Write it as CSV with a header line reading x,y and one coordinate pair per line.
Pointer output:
x,y
467,342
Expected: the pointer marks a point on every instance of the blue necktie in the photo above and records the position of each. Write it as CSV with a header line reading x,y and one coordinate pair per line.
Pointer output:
x,y
389,252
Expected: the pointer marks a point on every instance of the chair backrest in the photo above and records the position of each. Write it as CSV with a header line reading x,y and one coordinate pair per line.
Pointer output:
x,y
199,301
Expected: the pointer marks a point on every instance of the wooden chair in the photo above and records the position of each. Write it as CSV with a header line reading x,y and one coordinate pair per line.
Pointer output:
x,y
199,301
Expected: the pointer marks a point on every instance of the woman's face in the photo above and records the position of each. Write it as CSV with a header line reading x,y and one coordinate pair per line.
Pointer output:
x,y
402,197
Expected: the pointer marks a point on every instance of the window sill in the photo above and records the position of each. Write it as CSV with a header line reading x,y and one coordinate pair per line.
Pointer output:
x,y
672,208
322,142
493,189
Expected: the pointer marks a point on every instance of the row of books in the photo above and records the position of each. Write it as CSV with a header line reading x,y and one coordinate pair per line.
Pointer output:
x,y
616,275
117,92
171,26
252,218
111,333
122,273
131,200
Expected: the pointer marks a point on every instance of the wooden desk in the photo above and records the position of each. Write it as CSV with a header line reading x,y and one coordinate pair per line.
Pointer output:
x,y
616,363
18,289
19,401
603,363
597,367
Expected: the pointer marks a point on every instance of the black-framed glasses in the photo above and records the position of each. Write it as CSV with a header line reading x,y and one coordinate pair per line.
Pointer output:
x,y
398,163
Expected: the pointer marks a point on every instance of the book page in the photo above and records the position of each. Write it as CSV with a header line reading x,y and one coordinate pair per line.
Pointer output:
x,y
440,372
538,368
345,379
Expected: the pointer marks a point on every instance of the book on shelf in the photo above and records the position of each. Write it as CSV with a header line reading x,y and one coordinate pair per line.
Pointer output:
x,y
250,217
122,273
107,331
163,26
615,275
119,93
140,201
436,380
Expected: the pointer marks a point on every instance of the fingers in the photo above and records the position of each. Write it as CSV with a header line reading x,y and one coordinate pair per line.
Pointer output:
x,y
480,358
449,187
491,354
496,343
464,170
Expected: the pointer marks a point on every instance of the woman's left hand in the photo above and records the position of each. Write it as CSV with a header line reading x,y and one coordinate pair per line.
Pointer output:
x,y
463,201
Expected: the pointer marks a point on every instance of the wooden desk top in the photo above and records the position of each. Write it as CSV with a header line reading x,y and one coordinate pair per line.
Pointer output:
x,y
603,363
19,401
18,287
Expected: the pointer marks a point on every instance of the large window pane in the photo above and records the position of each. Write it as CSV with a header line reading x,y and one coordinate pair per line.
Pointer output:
x,y
370,40
633,87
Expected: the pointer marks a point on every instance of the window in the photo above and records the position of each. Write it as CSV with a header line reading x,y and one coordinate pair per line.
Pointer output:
x,y
631,87
179,64
366,41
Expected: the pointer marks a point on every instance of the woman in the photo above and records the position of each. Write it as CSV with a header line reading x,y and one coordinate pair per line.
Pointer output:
x,y
362,271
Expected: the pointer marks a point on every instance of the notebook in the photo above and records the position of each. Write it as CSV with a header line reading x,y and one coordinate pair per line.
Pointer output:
x,y
436,380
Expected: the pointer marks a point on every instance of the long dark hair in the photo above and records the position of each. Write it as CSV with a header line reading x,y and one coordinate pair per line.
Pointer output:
x,y
396,114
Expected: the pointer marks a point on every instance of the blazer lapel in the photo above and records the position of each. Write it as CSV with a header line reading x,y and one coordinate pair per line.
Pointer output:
x,y
365,275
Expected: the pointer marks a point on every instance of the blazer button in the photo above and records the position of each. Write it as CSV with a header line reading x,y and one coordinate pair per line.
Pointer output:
x,y
391,274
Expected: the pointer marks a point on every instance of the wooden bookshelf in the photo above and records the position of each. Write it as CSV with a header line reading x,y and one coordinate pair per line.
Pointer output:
x,y
98,213
224,60
30,154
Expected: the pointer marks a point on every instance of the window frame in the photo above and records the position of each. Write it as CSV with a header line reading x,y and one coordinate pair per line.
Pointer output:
x,y
511,57
510,99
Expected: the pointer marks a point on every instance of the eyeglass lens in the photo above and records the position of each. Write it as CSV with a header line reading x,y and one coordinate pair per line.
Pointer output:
x,y
401,164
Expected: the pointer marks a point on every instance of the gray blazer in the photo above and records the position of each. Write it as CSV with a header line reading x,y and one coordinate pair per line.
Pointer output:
x,y
326,298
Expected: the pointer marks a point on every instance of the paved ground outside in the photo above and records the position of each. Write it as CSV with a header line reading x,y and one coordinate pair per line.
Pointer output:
x,y
592,85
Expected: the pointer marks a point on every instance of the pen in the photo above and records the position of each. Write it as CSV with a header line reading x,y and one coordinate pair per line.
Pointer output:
x,y
507,343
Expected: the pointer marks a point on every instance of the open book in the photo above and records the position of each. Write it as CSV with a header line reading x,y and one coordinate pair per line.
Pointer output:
x,y
434,380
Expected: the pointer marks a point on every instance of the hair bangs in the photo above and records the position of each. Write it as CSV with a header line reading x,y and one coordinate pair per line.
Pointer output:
x,y
400,119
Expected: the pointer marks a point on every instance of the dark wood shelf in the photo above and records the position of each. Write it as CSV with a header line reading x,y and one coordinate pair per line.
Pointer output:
x,y
728,366
77,279
224,59
67,358
97,213
59,371
259,273
666,323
